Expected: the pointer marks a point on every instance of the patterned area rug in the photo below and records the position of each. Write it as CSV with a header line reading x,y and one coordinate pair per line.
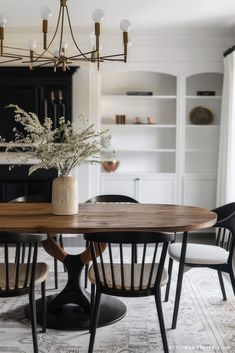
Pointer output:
x,y
205,324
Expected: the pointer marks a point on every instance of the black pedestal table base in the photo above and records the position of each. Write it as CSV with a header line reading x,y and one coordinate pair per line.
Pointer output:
x,y
70,309
72,317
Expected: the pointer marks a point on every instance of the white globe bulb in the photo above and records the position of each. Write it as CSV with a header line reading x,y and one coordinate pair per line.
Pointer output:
x,y
3,21
125,25
65,45
32,44
46,13
97,15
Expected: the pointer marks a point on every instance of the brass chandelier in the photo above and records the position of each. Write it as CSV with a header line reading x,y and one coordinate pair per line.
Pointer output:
x,y
59,57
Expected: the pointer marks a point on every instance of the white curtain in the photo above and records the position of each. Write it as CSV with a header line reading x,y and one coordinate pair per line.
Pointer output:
x,y
226,165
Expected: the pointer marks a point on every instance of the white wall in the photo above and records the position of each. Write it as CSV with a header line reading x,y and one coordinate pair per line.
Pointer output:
x,y
177,53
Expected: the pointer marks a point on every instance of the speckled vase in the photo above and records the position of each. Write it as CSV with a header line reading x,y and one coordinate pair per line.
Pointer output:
x,y
65,195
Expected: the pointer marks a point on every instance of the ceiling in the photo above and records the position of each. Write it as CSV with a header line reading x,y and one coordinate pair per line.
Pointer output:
x,y
143,14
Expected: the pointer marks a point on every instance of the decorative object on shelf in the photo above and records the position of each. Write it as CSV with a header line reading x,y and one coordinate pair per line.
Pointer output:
x,y
201,115
205,93
139,93
54,107
110,166
120,119
138,120
61,104
56,54
61,149
150,120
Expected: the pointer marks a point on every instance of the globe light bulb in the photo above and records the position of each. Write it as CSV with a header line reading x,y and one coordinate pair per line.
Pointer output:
x,y
3,21
65,45
46,13
125,25
32,44
97,15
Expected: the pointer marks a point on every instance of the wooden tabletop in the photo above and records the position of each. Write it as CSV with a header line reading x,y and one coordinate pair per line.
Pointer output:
x,y
37,217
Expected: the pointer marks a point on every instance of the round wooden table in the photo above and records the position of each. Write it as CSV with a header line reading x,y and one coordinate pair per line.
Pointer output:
x,y
70,309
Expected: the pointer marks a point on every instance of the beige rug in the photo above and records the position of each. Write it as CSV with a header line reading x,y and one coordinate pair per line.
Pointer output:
x,y
205,324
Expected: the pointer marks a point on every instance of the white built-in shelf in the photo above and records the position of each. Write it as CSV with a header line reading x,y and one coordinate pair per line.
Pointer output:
x,y
137,126
196,150
136,97
144,150
203,97
202,126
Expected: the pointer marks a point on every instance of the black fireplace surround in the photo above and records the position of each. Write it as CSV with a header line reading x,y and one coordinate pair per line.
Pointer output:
x,y
16,182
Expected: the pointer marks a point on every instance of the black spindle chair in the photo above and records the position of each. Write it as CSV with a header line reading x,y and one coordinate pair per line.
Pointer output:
x,y
43,198
116,273
20,272
218,257
109,198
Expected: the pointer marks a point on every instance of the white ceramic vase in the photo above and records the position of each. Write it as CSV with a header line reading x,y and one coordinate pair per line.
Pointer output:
x,y
65,195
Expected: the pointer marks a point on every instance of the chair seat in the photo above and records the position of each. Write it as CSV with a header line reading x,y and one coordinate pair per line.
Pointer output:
x,y
40,275
199,254
127,277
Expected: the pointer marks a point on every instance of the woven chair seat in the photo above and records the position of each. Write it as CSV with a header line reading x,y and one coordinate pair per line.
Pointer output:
x,y
40,275
127,276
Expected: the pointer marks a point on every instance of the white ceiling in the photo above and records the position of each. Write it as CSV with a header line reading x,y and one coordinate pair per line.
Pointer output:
x,y
144,14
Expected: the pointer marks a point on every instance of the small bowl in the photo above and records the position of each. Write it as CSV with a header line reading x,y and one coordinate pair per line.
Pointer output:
x,y
110,166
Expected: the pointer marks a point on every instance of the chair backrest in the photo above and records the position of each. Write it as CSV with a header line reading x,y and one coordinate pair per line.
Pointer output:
x,y
18,258
226,228
116,271
33,198
112,198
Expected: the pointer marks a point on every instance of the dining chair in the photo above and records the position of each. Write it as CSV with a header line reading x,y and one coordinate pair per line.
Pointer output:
x,y
20,272
116,273
218,257
108,198
59,237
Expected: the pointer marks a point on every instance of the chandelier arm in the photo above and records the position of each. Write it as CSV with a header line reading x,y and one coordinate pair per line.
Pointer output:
x,y
9,61
77,56
14,48
74,41
55,33
107,59
111,56
61,30
45,63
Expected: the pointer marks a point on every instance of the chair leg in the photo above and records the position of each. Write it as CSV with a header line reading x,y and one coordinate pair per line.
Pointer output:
x,y
33,318
222,285
232,278
161,320
170,265
44,314
94,321
180,280
86,269
56,273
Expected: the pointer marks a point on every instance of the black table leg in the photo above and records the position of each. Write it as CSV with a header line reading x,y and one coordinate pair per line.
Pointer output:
x,y
70,309
179,280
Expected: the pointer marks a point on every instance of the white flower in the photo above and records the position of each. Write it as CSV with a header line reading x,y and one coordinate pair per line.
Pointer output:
x,y
61,148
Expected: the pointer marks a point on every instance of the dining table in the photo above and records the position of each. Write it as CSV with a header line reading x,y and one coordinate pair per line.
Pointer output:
x,y
70,308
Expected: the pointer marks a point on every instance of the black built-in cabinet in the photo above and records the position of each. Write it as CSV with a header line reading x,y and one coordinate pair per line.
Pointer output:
x,y
44,92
